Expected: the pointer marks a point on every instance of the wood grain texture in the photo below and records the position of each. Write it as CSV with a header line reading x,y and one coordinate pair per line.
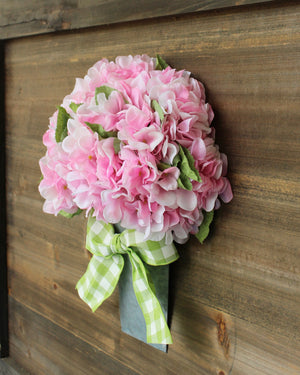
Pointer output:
x,y
19,17
8,366
40,338
3,256
235,300
6,369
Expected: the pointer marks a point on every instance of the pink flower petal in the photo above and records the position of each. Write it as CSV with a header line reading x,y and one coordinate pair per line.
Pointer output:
x,y
186,199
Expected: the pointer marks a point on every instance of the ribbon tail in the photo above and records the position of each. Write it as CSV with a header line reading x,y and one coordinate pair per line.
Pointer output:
x,y
100,279
157,328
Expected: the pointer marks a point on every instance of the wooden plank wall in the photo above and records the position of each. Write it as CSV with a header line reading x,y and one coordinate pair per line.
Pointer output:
x,y
235,300
3,244
19,17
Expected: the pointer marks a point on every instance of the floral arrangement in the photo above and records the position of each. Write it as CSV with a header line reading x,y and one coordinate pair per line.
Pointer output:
x,y
133,145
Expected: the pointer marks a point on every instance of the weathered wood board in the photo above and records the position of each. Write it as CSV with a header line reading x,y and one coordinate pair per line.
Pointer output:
x,y
3,245
20,18
235,300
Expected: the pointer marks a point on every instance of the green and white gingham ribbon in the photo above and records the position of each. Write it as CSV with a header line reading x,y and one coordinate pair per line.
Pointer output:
x,y
105,267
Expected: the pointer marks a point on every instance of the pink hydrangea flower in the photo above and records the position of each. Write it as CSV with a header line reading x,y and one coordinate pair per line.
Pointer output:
x,y
127,128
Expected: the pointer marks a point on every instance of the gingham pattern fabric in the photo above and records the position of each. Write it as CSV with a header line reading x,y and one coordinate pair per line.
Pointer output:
x,y
105,267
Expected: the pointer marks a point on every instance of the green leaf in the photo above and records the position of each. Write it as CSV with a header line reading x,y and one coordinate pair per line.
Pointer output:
x,y
188,164
117,145
162,166
185,162
157,108
69,216
74,106
106,90
176,160
204,227
99,129
184,182
61,130
160,63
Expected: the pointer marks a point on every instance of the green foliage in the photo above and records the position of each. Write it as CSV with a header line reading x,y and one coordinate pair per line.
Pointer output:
x,y
117,145
100,130
186,163
162,166
69,216
204,227
157,108
160,63
75,106
61,130
106,90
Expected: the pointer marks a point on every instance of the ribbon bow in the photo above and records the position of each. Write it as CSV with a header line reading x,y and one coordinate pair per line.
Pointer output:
x,y
104,270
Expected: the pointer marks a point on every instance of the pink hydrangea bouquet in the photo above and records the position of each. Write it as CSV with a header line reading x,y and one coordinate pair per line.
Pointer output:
x,y
133,145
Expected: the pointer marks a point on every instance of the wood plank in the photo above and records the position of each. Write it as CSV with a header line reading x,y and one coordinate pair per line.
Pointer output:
x,y
20,18
52,350
8,366
199,349
234,300
3,257
208,341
